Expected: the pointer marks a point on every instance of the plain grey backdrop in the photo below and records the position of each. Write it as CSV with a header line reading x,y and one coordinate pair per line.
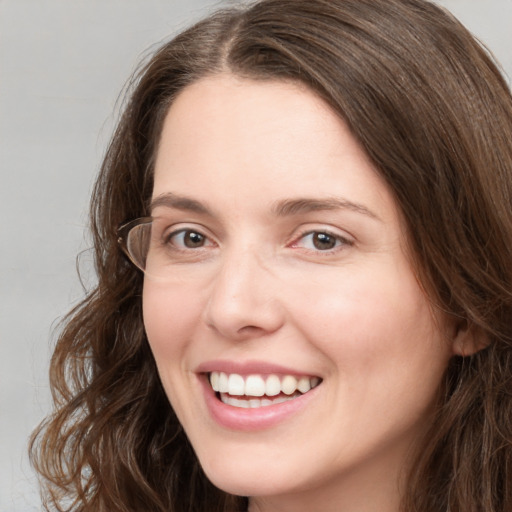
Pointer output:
x,y
62,66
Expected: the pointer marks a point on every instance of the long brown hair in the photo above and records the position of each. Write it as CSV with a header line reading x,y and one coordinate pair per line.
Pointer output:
x,y
430,108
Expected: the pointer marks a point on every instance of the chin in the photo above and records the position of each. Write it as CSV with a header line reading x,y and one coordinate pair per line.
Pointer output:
x,y
241,478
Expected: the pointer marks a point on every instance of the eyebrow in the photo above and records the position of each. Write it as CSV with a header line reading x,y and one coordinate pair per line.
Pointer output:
x,y
284,208
171,200
300,206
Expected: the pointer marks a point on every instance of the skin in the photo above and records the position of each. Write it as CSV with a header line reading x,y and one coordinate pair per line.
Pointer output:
x,y
258,289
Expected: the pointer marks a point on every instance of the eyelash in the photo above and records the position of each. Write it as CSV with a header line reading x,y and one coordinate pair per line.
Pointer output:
x,y
340,241
183,231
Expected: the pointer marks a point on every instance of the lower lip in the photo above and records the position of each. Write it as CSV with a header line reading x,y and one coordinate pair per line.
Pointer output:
x,y
259,418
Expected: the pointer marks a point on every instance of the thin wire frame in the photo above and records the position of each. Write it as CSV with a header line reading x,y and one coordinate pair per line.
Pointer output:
x,y
134,238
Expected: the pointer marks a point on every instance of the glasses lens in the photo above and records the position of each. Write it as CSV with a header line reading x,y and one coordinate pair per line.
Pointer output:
x,y
137,243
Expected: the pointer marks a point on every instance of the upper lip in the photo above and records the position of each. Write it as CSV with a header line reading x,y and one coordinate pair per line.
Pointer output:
x,y
249,368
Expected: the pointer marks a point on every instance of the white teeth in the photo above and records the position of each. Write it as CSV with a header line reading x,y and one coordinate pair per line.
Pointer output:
x,y
255,403
257,386
304,385
236,385
289,385
214,380
223,383
272,385
244,404
254,386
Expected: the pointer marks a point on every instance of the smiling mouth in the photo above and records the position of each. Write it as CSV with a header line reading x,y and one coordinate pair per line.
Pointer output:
x,y
254,391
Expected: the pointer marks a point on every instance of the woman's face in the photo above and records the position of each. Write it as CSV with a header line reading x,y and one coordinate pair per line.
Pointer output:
x,y
286,268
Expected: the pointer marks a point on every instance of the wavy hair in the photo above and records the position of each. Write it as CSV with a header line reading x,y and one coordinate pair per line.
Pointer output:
x,y
431,109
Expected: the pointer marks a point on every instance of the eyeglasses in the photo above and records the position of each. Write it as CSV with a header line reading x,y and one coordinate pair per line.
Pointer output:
x,y
134,239
148,244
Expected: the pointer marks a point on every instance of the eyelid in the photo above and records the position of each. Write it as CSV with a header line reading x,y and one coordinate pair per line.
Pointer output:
x,y
173,234
344,238
181,227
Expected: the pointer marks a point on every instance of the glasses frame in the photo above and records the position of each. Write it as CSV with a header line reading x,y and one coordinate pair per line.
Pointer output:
x,y
123,232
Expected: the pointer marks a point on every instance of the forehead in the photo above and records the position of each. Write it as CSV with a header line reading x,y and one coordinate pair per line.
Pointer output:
x,y
222,108
261,140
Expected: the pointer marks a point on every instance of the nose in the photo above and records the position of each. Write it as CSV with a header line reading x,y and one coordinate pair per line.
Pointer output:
x,y
243,301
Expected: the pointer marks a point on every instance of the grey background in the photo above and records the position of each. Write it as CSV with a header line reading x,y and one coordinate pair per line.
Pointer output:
x,y
62,66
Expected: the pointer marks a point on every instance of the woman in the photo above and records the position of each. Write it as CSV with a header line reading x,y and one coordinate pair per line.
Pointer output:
x,y
317,195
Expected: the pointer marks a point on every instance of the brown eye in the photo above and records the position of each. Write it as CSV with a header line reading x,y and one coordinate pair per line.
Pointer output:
x,y
323,241
188,239
191,239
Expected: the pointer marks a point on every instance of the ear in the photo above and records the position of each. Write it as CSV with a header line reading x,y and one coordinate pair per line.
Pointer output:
x,y
468,339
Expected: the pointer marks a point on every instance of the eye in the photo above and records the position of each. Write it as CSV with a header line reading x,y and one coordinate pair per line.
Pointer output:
x,y
321,241
188,239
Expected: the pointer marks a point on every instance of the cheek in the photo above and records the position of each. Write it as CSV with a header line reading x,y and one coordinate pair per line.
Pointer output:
x,y
374,323
387,356
170,314
170,319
